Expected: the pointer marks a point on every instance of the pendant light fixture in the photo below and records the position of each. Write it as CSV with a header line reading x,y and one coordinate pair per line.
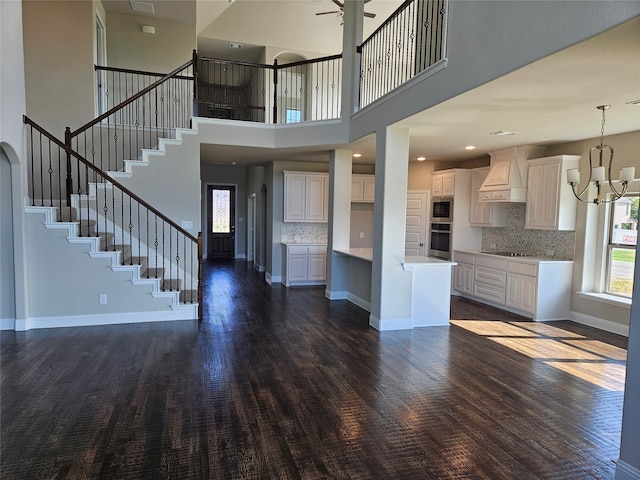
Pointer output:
x,y
601,172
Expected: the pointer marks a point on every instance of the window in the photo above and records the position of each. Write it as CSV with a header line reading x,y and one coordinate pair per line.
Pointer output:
x,y
293,115
621,248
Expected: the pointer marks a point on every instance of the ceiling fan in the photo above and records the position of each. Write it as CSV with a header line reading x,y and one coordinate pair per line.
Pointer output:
x,y
341,11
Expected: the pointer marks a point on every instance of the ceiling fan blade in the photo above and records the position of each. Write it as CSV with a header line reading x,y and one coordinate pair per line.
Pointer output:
x,y
341,5
328,13
369,15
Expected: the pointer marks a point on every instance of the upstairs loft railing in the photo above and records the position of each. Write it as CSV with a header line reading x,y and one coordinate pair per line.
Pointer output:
x,y
411,40
106,209
304,91
117,85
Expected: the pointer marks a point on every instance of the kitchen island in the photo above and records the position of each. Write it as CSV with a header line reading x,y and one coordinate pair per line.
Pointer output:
x,y
431,285
431,290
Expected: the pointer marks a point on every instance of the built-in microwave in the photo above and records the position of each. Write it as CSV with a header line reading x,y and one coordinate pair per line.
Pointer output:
x,y
440,241
442,209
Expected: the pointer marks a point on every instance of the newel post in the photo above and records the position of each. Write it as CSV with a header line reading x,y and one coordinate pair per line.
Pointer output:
x,y
275,91
69,182
194,67
200,286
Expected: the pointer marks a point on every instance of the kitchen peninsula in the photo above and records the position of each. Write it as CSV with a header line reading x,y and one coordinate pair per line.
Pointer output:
x,y
431,285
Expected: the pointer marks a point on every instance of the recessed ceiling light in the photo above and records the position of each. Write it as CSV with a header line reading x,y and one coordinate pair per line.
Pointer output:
x,y
357,155
633,102
470,147
502,133
235,45
421,159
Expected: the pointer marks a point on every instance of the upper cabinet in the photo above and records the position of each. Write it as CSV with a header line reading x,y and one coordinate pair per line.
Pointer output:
x,y
551,204
483,214
306,197
363,188
443,184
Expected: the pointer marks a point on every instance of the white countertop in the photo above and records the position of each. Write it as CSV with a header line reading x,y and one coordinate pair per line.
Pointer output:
x,y
361,253
410,263
528,259
310,244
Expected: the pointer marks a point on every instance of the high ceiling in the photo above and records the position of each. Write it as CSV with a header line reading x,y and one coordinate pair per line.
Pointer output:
x,y
550,101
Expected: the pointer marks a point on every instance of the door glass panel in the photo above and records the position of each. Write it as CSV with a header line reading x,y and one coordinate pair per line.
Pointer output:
x,y
221,211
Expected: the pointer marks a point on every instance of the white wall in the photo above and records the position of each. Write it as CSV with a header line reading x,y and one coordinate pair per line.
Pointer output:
x,y
128,47
58,53
13,279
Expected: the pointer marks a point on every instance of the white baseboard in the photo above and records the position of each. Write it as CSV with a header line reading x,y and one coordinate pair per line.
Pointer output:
x,y
259,268
335,295
102,319
600,323
362,303
624,471
271,279
7,323
393,324
240,256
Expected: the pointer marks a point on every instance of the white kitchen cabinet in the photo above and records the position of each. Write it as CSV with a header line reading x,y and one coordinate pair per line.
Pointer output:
x,y
463,272
484,214
490,278
443,184
305,265
363,188
550,203
306,197
521,287
539,289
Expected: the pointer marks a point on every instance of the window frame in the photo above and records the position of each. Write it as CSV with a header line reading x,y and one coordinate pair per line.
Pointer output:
x,y
610,246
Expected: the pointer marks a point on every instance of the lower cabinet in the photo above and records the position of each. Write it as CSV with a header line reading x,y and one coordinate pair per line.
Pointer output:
x,y
538,289
305,265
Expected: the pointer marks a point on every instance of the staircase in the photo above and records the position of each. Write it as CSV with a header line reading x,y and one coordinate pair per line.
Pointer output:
x,y
75,186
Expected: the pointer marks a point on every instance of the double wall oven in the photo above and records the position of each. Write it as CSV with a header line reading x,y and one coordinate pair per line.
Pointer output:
x,y
440,231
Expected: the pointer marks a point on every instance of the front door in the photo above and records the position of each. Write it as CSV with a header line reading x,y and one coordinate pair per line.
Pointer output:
x,y
221,221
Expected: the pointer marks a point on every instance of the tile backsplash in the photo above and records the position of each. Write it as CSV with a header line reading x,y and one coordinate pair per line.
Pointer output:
x,y
513,237
304,233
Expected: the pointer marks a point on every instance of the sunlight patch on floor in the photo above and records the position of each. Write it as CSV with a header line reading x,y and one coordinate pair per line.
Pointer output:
x,y
545,348
548,330
590,360
606,375
492,328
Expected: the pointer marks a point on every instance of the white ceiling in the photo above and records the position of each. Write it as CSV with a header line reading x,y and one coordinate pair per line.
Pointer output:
x,y
550,101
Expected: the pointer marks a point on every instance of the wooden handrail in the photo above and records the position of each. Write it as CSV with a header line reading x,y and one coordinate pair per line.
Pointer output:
x,y
107,178
131,99
398,11
138,72
308,62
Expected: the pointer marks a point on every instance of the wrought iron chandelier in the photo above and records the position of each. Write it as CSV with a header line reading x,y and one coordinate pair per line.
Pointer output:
x,y
599,174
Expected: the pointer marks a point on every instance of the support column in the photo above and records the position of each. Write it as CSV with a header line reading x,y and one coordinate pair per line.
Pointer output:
x,y
340,165
390,284
352,32
628,465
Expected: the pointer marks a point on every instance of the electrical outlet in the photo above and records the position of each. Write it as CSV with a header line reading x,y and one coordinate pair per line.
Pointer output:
x,y
492,246
186,224
103,299
361,234
550,253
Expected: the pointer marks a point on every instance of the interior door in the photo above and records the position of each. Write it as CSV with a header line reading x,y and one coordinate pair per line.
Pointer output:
x,y
221,221
417,221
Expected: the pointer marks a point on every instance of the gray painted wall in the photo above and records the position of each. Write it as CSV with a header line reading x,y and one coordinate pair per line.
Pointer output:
x,y
7,271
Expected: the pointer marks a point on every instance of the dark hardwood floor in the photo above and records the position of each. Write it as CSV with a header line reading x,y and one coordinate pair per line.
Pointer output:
x,y
281,383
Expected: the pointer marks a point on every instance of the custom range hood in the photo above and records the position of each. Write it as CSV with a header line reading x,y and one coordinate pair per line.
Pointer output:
x,y
507,177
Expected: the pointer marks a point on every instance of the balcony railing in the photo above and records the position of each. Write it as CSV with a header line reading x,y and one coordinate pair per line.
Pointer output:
x,y
411,40
292,93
